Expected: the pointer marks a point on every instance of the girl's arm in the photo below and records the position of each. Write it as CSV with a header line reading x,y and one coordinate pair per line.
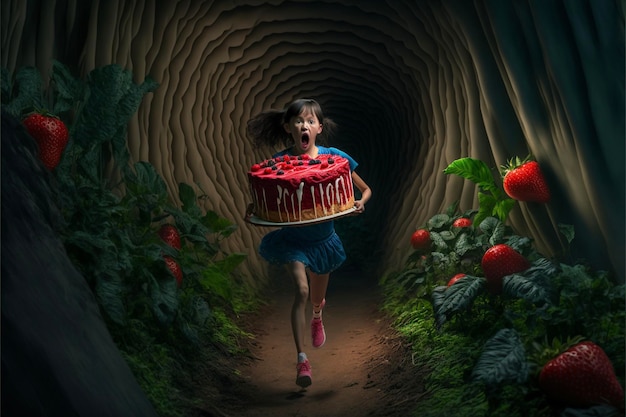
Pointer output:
x,y
366,192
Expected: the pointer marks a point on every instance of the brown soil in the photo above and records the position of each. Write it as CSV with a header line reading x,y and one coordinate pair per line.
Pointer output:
x,y
364,369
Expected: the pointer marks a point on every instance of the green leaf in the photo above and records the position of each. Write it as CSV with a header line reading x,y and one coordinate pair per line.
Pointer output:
x,y
451,210
216,277
474,170
109,292
216,282
438,221
503,360
28,94
595,411
410,277
230,262
457,297
131,97
502,208
70,91
439,241
189,198
465,244
195,315
164,299
519,286
143,180
218,224
111,98
447,235
201,310
494,229
486,204
567,230
438,296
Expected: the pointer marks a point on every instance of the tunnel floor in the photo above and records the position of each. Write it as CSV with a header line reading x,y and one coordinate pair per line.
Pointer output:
x,y
364,369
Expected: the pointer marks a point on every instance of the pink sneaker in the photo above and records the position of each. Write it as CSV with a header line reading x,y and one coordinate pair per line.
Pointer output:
x,y
318,335
304,374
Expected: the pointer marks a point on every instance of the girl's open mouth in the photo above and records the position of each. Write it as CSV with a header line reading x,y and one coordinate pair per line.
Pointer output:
x,y
305,140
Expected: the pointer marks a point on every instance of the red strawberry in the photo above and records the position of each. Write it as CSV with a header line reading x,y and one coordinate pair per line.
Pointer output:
x,y
51,135
582,376
174,268
170,235
420,239
499,261
455,279
462,222
524,181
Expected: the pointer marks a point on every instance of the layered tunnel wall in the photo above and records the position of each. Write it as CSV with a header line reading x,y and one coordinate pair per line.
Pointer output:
x,y
413,85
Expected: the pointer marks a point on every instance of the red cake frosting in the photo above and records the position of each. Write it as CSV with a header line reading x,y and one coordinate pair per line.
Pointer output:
x,y
297,188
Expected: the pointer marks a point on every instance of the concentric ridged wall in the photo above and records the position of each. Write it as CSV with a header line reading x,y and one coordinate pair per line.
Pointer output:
x,y
413,86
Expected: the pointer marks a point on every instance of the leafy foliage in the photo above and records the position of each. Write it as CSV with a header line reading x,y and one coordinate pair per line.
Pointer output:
x,y
112,210
456,299
503,360
481,347
492,200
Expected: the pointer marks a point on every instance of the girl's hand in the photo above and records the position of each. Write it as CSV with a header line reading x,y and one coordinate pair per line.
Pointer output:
x,y
249,211
359,206
366,193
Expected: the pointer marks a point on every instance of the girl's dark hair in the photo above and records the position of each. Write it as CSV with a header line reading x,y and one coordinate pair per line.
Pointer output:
x,y
267,129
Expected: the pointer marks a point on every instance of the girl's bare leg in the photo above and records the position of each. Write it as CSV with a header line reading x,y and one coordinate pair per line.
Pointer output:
x,y
298,309
319,284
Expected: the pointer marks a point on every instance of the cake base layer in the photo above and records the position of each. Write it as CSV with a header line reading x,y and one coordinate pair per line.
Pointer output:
x,y
309,214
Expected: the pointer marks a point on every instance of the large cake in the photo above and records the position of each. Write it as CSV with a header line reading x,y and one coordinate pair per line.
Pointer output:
x,y
298,188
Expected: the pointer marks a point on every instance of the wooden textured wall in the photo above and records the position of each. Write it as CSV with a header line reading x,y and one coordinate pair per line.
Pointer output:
x,y
412,84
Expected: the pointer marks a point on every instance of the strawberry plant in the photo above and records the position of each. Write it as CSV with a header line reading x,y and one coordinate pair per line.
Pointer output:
x,y
172,292
447,250
478,330
491,200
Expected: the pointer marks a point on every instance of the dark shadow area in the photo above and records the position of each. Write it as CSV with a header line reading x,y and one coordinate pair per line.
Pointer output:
x,y
58,358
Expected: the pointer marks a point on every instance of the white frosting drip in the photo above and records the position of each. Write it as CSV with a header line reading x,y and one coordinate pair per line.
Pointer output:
x,y
339,199
299,193
322,198
293,207
313,197
280,196
350,185
285,201
265,202
330,196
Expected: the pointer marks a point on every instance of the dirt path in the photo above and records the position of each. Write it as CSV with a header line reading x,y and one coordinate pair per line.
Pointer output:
x,y
364,369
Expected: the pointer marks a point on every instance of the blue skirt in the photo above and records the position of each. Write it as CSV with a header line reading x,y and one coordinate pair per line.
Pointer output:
x,y
317,246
